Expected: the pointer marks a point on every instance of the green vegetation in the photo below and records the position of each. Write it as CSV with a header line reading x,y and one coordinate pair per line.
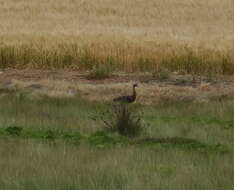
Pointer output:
x,y
101,139
45,140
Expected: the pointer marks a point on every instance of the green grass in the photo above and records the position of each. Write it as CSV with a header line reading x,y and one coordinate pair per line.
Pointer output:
x,y
63,114
50,143
38,165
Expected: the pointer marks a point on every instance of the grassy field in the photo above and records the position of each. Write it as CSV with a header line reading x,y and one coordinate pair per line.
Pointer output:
x,y
190,36
52,134
61,146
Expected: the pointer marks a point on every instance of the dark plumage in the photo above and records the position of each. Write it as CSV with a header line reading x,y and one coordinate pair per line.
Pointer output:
x,y
127,99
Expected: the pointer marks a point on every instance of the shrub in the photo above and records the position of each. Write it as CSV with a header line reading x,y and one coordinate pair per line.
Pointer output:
x,y
161,74
14,130
100,71
124,120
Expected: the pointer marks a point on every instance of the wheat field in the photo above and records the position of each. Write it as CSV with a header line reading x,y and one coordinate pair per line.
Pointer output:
x,y
127,31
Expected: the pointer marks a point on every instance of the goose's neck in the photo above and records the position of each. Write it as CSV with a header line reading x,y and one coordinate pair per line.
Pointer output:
x,y
134,92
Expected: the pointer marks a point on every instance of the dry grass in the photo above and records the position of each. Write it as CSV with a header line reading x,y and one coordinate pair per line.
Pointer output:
x,y
148,24
61,84
135,35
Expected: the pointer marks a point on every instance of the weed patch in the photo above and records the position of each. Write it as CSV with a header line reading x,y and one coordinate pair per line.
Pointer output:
x,y
124,120
100,71
101,139
14,130
161,74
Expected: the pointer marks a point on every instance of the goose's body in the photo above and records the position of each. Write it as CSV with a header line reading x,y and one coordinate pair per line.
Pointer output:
x,y
127,99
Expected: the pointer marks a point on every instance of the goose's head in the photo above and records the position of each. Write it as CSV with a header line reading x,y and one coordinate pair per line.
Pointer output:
x,y
135,85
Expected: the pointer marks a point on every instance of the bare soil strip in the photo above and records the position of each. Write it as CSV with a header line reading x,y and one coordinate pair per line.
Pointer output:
x,y
65,84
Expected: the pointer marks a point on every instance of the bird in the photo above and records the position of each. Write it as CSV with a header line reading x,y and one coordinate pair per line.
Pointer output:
x,y
127,99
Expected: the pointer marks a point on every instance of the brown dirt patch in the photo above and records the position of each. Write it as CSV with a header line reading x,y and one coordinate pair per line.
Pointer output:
x,y
176,88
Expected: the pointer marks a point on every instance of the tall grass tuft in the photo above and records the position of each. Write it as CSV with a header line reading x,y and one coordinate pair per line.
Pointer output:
x,y
124,120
